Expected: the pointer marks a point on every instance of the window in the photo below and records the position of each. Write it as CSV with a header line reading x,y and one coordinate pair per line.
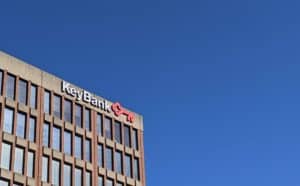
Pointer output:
x,y
45,165
55,172
99,124
56,138
57,106
127,136
100,181
46,134
135,140
100,155
17,184
88,150
68,111
78,177
78,147
108,128
19,160
30,164
1,81
32,125
88,178
47,102
8,120
87,119
136,170
119,163
118,136
10,87
109,158
119,184
78,115
67,175
21,125
22,92
4,182
68,142
5,156
33,95
128,165
109,182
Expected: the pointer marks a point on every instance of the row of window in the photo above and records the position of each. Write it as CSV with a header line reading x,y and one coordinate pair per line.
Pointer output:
x,y
63,108
19,152
68,174
115,161
68,139
85,113
6,154
21,123
78,150
22,86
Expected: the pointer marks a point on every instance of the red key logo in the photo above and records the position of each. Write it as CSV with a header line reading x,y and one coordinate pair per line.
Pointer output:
x,y
119,110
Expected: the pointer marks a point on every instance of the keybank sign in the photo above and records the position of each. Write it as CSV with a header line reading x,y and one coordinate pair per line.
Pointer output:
x,y
82,95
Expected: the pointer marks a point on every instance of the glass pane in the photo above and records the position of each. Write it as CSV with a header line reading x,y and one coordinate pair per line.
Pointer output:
x,y
109,158
55,172
100,181
30,164
88,150
19,160
46,134
32,125
108,128
119,165
33,95
47,102
88,179
21,125
128,166
45,164
99,124
56,138
5,156
127,136
1,81
87,119
78,115
136,170
135,140
67,175
10,87
100,155
78,177
4,183
68,142
109,182
68,111
78,147
57,106
22,93
8,120
118,132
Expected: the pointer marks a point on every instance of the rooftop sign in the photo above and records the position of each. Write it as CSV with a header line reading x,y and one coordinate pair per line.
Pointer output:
x,y
85,96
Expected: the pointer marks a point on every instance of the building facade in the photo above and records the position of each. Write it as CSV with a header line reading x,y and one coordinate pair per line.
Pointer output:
x,y
55,133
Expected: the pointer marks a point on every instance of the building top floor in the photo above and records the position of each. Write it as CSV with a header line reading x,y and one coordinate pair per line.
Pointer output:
x,y
69,91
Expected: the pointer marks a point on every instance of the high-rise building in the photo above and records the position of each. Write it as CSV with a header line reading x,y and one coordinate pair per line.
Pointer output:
x,y
55,133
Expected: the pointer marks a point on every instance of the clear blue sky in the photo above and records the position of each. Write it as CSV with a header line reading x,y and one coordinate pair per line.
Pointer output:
x,y
217,81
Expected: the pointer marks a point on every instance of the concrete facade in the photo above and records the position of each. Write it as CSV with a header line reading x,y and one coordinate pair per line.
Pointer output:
x,y
45,81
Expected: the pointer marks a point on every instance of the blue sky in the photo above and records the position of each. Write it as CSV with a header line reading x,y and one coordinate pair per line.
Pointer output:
x,y
217,81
